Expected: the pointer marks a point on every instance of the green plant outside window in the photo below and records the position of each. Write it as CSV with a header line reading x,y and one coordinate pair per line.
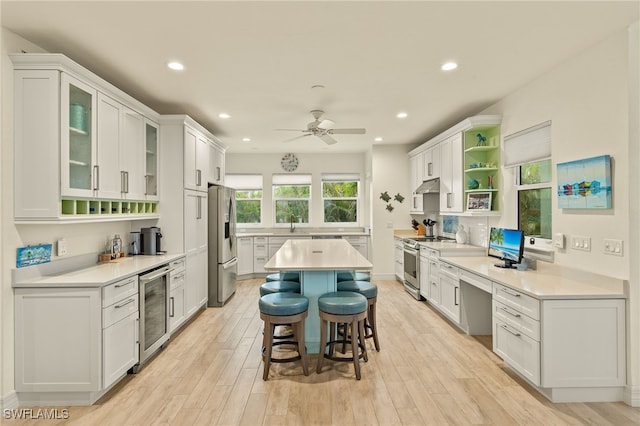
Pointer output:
x,y
292,203
249,206
340,201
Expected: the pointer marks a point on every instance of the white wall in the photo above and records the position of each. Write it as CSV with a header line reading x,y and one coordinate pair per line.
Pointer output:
x,y
390,173
586,100
314,164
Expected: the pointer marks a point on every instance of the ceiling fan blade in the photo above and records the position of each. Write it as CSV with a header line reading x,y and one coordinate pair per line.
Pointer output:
x,y
296,138
290,130
346,131
326,124
327,139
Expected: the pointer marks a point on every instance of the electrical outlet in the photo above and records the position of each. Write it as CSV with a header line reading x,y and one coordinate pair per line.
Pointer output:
x,y
581,243
62,247
558,240
613,247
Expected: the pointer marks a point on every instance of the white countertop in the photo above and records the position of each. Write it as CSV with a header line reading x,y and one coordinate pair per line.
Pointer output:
x,y
100,274
305,255
301,234
548,281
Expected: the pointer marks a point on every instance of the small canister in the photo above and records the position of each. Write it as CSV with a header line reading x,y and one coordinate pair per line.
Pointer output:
x,y
134,244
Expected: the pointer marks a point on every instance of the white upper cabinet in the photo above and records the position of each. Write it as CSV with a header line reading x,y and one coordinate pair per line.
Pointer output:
x,y
78,137
216,164
451,189
152,139
431,163
65,112
196,160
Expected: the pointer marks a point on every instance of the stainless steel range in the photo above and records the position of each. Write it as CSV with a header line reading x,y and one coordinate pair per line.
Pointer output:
x,y
411,248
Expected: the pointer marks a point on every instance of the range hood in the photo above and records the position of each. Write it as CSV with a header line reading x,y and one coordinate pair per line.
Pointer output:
x,y
429,187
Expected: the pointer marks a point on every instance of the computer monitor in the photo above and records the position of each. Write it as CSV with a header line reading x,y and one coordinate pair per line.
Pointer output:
x,y
507,245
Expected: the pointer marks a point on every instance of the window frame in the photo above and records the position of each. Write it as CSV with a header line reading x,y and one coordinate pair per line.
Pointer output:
x,y
357,199
247,182
532,241
274,199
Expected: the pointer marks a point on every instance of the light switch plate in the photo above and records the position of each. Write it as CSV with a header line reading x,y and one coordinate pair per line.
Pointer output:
x,y
581,243
613,247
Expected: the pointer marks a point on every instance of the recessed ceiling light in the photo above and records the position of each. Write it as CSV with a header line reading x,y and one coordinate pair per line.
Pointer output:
x,y
176,66
378,139
449,66
246,139
224,115
402,115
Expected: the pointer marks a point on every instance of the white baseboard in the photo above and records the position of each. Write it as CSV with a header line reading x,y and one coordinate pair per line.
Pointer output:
x,y
632,396
10,401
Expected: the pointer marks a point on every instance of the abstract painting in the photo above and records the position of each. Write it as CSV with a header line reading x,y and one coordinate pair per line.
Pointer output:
x,y
585,184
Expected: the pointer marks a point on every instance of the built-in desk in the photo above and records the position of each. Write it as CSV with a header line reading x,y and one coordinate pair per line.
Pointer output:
x,y
318,262
561,329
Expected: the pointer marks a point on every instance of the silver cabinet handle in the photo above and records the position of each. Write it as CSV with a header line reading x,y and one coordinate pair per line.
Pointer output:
x,y
429,169
510,293
125,303
122,285
126,175
510,312
96,177
218,173
146,184
515,333
122,182
449,194
138,330
455,296
199,208
171,307
198,177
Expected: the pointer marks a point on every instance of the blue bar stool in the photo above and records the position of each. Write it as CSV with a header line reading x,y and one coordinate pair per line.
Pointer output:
x,y
279,287
342,307
352,276
370,291
284,276
278,309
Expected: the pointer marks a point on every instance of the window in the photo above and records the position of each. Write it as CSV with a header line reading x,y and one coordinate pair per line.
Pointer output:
x,y
529,152
534,199
291,198
340,196
248,198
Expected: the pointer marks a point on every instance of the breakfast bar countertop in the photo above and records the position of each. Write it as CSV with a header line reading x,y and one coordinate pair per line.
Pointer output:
x,y
323,254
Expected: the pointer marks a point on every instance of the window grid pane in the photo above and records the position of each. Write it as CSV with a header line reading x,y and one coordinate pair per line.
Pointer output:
x,y
534,212
340,200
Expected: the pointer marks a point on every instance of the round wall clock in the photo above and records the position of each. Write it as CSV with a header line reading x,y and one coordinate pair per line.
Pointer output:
x,y
289,162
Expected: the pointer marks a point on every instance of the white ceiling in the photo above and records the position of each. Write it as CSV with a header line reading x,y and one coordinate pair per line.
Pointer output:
x,y
258,60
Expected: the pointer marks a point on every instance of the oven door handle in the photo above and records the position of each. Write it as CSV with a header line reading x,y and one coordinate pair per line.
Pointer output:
x,y
150,277
410,251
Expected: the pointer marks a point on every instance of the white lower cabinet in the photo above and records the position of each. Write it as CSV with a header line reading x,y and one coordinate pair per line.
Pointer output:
x,y
399,259
360,243
450,292
177,279
424,274
260,254
245,255
74,341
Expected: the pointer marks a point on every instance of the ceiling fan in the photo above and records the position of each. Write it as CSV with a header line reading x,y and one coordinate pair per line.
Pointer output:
x,y
323,129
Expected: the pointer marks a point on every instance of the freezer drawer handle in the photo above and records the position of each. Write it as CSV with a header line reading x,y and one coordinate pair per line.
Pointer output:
x,y
230,263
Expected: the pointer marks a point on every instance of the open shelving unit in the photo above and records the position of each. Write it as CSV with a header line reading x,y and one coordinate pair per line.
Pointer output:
x,y
83,208
482,165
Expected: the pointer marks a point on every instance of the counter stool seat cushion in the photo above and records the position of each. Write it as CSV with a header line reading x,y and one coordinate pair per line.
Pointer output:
x,y
342,303
284,276
279,287
283,304
365,288
352,276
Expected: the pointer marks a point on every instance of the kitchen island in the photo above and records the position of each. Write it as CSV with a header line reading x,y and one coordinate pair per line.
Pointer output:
x,y
318,262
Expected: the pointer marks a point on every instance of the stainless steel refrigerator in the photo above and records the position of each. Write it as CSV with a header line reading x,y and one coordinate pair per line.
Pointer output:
x,y
223,263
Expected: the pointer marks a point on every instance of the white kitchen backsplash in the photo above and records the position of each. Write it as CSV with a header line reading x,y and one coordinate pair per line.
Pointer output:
x,y
477,227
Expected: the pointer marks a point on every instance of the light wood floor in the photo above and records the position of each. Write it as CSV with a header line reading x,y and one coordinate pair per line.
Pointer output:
x,y
427,373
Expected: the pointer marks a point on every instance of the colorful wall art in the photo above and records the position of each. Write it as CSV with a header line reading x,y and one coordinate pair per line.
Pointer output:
x,y
585,184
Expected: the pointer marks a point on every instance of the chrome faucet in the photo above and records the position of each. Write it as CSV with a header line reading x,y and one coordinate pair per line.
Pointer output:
x,y
292,220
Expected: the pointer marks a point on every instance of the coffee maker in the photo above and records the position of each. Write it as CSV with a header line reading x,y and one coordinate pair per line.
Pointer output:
x,y
150,241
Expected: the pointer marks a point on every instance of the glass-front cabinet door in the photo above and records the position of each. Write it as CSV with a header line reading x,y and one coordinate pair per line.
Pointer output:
x,y
78,138
151,161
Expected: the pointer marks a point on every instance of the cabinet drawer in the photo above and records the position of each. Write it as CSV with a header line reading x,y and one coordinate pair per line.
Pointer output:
x,y
476,280
518,350
449,270
521,323
176,279
519,301
114,313
177,265
434,254
120,290
260,249
434,269
260,240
